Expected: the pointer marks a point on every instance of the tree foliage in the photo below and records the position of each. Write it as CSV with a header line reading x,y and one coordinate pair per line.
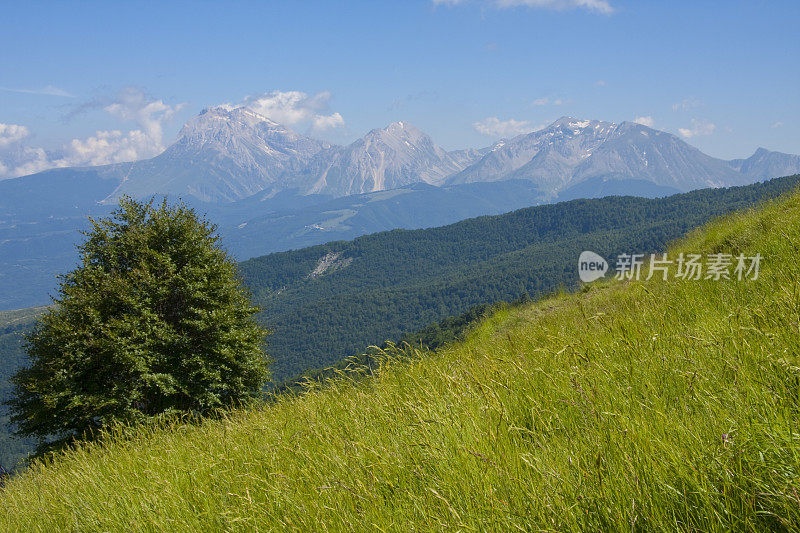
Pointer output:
x,y
153,321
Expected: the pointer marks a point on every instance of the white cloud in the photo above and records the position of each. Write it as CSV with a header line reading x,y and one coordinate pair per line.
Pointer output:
x,y
29,160
16,159
777,124
131,104
645,121
150,115
494,127
47,91
105,147
600,83
327,122
296,108
12,133
699,127
145,136
145,140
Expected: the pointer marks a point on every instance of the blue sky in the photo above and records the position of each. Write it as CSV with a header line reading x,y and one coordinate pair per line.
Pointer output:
x,y
95,82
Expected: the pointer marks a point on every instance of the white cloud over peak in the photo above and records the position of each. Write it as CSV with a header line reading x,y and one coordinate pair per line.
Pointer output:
x,y
327,122
114,146
699,127
494,127
150,115
140,132
296,108
645,121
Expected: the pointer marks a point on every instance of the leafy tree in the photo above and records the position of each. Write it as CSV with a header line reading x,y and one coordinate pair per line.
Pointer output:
x,y
153,321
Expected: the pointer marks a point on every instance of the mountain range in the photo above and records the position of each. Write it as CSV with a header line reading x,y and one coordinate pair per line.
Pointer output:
x,y
271,189
227,154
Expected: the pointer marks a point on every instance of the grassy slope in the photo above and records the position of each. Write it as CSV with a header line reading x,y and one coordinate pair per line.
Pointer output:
x,y
602,410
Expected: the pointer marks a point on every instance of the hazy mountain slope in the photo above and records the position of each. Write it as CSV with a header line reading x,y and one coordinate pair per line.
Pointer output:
x,y
388,158
570,151
600,187
764,164
548,155
55,193
34,248
223,155
646,406
636,151
413,206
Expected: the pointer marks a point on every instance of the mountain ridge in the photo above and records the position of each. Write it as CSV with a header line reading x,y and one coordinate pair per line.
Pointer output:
x,y
570,151
385,158
226,154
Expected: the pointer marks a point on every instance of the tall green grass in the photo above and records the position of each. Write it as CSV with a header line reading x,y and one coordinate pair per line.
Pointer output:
x,y
629,406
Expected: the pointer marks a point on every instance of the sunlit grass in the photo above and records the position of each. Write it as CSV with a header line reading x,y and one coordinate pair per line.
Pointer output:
x,y
628,406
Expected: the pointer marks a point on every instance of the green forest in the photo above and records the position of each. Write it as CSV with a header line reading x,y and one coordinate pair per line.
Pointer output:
x,y
388,284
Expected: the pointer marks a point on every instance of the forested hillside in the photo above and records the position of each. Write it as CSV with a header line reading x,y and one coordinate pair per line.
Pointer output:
x,y
330,301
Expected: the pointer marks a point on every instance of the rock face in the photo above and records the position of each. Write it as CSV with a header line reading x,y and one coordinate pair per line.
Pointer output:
x,y
223,155
388,158
228,154
763,165
571,151
546,156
